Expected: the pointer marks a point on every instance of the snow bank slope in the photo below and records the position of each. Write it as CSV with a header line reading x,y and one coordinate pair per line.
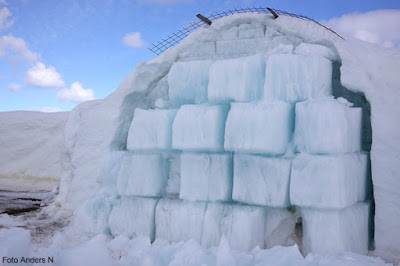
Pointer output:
x,y
96,128
374,70
31,145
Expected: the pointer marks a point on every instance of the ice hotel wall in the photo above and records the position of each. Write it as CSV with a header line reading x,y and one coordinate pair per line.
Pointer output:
x,y
237,174
96,132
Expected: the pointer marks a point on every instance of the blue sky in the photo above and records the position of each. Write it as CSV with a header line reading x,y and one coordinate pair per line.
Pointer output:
x,y
57,53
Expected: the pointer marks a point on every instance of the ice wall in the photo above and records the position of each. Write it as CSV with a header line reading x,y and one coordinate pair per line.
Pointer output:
x,y
237,169
95,129
103,126
31,146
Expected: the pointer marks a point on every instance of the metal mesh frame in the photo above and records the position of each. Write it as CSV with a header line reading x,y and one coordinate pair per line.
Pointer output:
x,y
178,36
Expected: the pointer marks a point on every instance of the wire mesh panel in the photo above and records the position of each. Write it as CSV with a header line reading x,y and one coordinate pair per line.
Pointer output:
x,y
178,36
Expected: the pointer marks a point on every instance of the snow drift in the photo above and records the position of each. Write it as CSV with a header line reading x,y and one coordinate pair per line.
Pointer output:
x,y
32,145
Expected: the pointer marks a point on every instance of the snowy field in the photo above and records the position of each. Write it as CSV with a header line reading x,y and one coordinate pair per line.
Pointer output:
x,y
253,142
101,250
31,150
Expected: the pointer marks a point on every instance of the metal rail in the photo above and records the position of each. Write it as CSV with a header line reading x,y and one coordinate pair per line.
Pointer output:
x,y
178,36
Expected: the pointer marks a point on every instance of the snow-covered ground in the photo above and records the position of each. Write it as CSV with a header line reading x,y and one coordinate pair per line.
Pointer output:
x,y
101,250
95,195
31,149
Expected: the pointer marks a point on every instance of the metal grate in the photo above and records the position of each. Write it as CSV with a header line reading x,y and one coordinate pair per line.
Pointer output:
x,y
176,37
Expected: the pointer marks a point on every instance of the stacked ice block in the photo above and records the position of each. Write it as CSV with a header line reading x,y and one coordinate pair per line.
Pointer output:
x,y
146,174
329,173
206,177
329,177
225,148
261,180
295,78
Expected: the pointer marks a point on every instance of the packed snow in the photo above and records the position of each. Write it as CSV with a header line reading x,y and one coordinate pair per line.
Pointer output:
x,y
14,243
229,143
121,250
31,149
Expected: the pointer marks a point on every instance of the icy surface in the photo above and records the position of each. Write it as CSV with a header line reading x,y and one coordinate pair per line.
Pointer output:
x,y
346,229
199,50
178,220
261,180
327,126
93,252
199,128
8,221
343,258
330,182
151,130
110,168
230,33
296,78
188,82
238,79
142,175
206,177
133,217
278,256
249,31
259,127
174,174
14,243
244,47
242,225
309,49
92,217
139,251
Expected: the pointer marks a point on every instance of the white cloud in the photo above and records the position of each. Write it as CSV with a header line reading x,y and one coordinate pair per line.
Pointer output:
x,y
76,94
133,39
379,26
14,87
5,23
40,76
16,50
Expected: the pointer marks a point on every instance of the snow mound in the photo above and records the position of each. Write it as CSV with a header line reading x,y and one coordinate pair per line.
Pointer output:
x,y
32,145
